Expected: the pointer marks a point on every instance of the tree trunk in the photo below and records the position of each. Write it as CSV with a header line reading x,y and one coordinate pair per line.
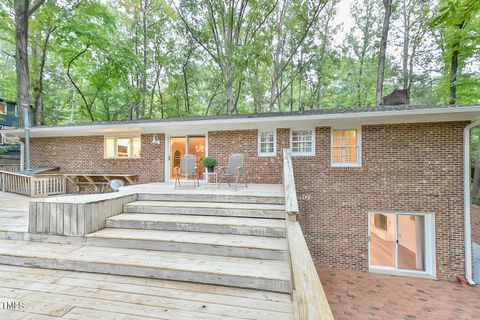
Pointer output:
x,y
144,66
453,77
38,89
406,44
21,57
383,49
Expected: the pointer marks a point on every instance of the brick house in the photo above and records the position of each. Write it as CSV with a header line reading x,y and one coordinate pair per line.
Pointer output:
x,y
380,189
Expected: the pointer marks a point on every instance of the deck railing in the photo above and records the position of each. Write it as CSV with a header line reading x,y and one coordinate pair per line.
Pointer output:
x,y
32,186
310,301
10,167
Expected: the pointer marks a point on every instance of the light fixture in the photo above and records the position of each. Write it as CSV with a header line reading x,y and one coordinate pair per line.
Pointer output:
x,y
155,140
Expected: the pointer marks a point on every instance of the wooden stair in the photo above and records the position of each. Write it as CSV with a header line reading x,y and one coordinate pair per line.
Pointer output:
x,y
225,240
197,223
266,275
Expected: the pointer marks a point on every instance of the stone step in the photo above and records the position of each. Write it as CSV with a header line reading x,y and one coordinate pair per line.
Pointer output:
x,y
267,275
270,211
212,224
227,245
182,197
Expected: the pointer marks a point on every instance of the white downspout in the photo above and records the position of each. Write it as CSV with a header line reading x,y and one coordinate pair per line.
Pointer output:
x,y
22,155
466,201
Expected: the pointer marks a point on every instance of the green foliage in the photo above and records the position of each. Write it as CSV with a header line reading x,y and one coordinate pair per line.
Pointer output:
x,y
209,162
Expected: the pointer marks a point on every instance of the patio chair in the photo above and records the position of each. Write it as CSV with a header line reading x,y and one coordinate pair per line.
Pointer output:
x,y
187,169
235,169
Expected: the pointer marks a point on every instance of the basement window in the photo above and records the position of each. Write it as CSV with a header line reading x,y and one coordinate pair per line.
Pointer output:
x,y
122,147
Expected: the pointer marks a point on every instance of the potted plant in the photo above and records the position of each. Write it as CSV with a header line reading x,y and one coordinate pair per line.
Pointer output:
x,y
209,163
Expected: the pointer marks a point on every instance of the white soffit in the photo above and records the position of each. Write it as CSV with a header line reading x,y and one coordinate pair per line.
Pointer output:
x,y
466,113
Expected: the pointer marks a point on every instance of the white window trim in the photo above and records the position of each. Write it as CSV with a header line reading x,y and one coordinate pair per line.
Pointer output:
x,y
115,146
267,154
359,149
430,245
312,153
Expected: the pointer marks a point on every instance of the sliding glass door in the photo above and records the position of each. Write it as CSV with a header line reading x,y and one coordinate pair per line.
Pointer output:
x,y
401,241
181,145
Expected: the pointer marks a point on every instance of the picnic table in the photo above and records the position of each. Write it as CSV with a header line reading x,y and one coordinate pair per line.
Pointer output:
x,y
98,180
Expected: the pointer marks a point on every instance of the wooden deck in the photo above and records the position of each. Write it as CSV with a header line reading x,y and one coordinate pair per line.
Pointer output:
x,y
54,294
267,190
13,212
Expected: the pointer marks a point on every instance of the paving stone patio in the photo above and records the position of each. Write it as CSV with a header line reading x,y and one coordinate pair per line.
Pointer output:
x,y
360,295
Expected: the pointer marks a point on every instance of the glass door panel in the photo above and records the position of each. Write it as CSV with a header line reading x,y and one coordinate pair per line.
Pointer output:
x,y
382,240
197,147
178,147
411,242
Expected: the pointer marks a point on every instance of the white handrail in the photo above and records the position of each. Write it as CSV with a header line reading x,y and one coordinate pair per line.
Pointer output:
x,y
291,202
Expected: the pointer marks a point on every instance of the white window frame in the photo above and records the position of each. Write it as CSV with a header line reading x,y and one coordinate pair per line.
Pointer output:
x,y
430,247
115,147
359,148
311,153
267,154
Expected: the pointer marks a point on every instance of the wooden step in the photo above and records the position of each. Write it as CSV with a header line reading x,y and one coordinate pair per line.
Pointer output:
x,y
228,271
227,245
172,222
182,197
271,211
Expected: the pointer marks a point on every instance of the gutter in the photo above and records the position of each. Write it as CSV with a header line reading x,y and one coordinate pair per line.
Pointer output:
x,y
467,200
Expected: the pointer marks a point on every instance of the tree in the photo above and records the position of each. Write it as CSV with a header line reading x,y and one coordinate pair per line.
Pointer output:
x,y
361,42
225,34
383,49
461,23
23,11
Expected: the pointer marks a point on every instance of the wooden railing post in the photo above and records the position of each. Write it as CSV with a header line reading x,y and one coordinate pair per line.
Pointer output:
x,y
291,202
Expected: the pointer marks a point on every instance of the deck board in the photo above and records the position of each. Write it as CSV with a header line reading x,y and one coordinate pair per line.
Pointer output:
x,y
50,294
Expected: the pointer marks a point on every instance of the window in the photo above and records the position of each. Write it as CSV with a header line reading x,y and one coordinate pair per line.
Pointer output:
x,y
346,149
3,108
267,143
122,147
302,142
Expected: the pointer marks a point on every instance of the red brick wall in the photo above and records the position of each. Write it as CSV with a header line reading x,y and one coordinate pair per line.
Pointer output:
x,y
85,155
258,169
414,167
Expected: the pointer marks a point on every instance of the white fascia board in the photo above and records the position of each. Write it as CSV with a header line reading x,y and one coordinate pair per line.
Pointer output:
x,y
466,113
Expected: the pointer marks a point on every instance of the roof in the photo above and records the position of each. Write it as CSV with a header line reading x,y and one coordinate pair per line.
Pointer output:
x,y
322,117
